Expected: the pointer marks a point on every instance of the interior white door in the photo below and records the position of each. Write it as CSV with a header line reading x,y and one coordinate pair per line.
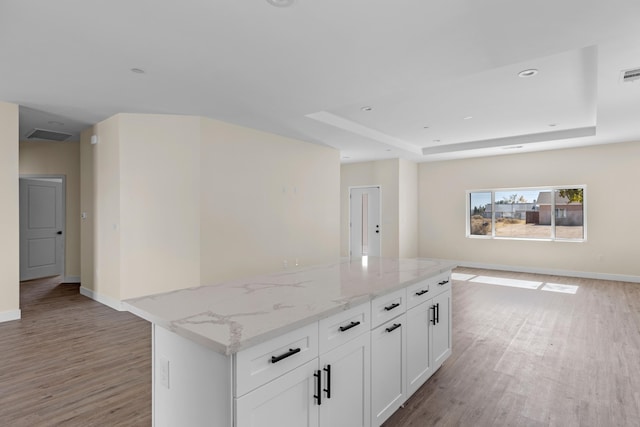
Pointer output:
x,y
41,228
364,211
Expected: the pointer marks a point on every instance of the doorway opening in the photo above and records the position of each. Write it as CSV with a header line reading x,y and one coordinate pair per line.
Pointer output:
x,y
42,226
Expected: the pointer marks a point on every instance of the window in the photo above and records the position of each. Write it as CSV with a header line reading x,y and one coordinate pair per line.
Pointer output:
x,y
545,213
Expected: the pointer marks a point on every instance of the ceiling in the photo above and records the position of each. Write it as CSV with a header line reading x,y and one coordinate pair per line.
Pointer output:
x,y
415,79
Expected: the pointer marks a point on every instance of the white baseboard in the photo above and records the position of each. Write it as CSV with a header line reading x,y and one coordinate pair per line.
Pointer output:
x,y
7,316
102,299
553,272
71,279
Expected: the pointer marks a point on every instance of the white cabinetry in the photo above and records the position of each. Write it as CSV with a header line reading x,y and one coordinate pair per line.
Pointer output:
x,y
351,369
346,385
331,390
286,401
388,368
428,329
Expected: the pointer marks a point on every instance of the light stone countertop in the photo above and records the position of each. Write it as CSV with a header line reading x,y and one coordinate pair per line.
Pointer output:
x,y
231,316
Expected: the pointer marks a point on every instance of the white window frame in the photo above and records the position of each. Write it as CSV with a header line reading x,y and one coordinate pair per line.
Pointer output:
x,y
551,189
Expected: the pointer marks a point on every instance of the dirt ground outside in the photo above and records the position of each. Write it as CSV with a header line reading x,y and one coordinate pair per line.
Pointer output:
x,y
534,231
519,229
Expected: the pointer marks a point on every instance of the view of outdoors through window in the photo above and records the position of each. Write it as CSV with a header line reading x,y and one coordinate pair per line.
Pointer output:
x,y
550,213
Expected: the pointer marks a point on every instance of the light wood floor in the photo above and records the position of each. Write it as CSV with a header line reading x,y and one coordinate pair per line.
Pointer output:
x,y
520,358
71,361
536,358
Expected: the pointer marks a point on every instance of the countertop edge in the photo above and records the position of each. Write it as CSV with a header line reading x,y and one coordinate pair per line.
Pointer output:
x,y
229,350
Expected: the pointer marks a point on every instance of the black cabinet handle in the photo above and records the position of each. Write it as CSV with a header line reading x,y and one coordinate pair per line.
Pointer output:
x,y
392,306
394,327
327,369
444,282
422,292
438,313
433,319
59,232
349,326
318,396
291,352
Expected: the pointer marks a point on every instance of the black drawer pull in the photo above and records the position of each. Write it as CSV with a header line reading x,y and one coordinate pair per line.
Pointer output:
x,y
327,390
349,326
318,396
291,352
394,327
444,282
422,292
392,306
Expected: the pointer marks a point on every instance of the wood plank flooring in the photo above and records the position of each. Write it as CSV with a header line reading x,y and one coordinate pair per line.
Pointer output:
x,y
525,357
71,361
521,357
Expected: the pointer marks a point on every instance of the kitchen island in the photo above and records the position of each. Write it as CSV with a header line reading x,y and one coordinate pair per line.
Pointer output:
x,y
339,344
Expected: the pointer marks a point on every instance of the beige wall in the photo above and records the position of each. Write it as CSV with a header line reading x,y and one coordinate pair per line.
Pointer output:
x,y
610,173
266,200
398,190
159,203
9,220
59,158
408,209
176,201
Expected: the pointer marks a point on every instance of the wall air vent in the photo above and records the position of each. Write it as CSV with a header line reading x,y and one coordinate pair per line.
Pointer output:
x,y
48,135
630,75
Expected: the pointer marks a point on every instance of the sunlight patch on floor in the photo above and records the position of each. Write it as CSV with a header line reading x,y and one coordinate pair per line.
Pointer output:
x,y
525,284
515,283
559,287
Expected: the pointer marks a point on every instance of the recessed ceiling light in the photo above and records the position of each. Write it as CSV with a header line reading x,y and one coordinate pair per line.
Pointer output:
x,y
436,140
425,127
346,157
55,122
467,118
388,149
553,125
514,147
367,108
138,70
528,73
280,3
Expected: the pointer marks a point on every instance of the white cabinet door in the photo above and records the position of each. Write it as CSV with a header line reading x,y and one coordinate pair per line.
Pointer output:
x,y
287,401
346,397
441,329
388,369
418,338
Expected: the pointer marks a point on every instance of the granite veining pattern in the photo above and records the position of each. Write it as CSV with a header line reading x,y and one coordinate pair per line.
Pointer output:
x,y
231,316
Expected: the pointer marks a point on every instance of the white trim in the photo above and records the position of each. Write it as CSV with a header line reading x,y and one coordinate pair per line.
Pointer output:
x,y
549,271
7,316
102,299
71,279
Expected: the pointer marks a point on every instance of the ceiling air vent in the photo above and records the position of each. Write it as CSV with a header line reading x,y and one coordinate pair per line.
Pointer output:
x,y
631,75
48,134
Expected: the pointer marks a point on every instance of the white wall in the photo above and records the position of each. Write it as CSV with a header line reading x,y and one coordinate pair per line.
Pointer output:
x,y
610,173
9,219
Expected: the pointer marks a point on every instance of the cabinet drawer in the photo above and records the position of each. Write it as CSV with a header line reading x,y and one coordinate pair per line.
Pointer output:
x,y
344,326
420,292
263,362
387,307
440,283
